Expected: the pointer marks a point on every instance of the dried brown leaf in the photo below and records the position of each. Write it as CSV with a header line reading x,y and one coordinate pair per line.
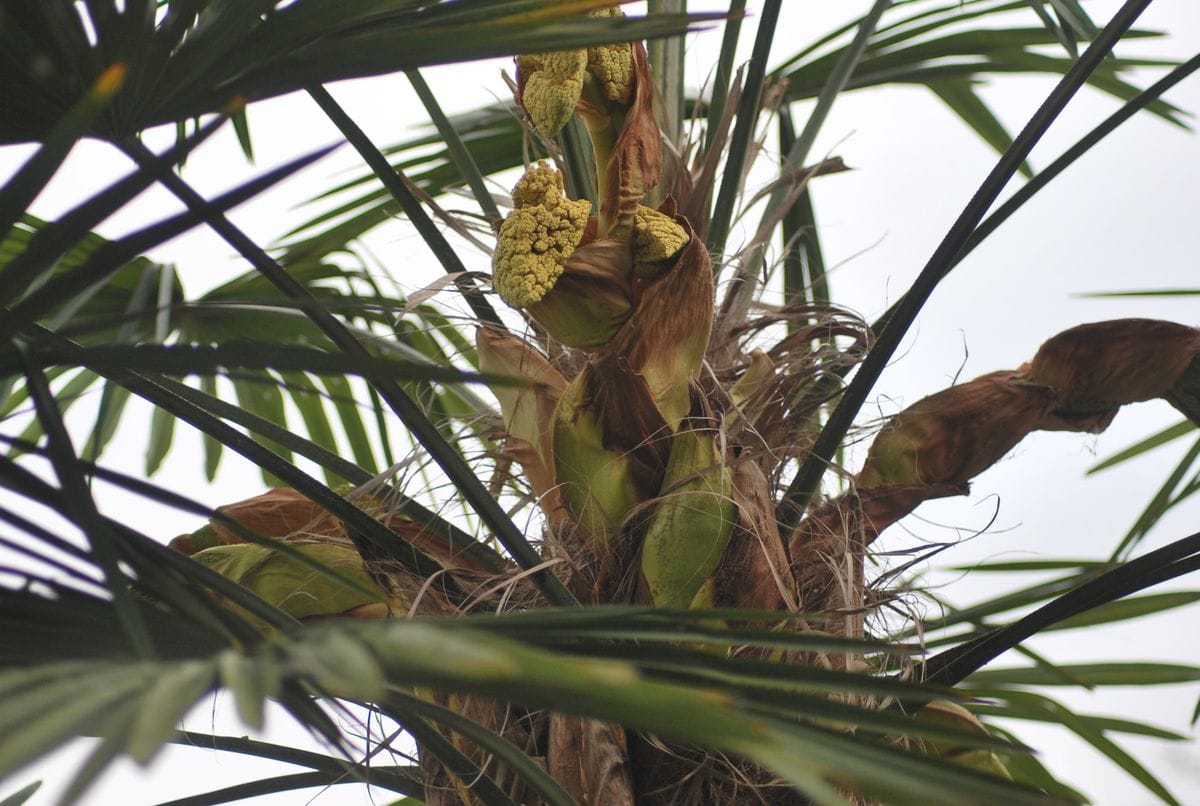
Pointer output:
x,y
1100,366
953,435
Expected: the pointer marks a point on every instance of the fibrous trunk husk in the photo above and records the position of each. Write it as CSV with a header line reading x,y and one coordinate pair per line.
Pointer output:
x,y
590,759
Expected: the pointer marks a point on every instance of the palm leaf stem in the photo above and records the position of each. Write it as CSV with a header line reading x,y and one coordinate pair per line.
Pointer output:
x,y
180,575
804,276
33,176
534,776
111,257
47,538
806,481
113,398
746,280
397,185
579,166
827,386
354,518
53,239
743,130
186,504
1167,495
724,74
456,763
80,507
202,359
458,541
447,458
1170,561
275,785
454,145
395,778
455,537
666,60
1060,164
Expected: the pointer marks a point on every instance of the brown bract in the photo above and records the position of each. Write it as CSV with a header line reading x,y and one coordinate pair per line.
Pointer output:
x,y
278,513
614,423
592,298
1076,382
527,411
636,161
629,419
286,515
666,338
754,573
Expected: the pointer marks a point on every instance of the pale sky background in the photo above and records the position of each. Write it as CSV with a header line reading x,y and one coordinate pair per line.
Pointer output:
x,y
1122,218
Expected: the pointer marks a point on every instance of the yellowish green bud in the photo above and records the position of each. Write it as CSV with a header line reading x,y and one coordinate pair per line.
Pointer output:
x,y
597,481
953,715
692,521
581,295
294,587
537,237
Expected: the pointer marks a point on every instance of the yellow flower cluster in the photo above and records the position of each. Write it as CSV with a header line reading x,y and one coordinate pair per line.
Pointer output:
x,y
656,240
612,65
538,236
553,83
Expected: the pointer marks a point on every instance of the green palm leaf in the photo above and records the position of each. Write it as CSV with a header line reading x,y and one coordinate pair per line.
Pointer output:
x,y
198,57
364,662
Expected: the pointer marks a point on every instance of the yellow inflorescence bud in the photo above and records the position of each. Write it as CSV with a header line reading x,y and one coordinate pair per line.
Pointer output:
x,y
612,65
537,237
540,184
657,240
553,83
534,244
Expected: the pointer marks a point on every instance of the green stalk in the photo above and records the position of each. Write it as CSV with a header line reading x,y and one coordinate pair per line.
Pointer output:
x,y
743,130
604,129
1173,560
579,170
720,86
666,60
80,507
454,144
744,287
408,201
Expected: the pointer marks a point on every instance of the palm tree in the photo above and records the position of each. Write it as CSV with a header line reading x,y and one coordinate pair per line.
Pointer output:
x,y
692,616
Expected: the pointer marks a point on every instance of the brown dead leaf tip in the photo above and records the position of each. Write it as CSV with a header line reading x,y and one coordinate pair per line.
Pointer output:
x,y
1100,366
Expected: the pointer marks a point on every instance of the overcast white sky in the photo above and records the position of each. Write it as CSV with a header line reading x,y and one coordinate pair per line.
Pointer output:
x,y
1124,217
